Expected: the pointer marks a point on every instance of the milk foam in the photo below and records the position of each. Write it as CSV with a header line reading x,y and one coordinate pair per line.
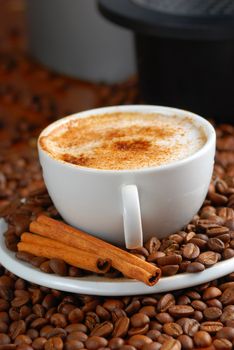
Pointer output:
x,y
124,140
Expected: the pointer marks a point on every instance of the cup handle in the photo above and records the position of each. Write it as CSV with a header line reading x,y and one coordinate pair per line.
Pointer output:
x,y
132,217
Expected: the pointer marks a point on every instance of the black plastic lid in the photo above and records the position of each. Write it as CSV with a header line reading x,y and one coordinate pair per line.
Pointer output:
x,y
185,19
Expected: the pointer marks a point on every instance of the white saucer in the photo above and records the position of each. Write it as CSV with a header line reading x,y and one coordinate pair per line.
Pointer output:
x,y
97,285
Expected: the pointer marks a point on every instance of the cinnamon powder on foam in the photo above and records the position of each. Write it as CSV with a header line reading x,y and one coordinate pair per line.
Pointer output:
x,y
120,141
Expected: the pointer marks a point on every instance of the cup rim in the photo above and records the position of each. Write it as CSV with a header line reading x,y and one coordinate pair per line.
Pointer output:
x,y
200,121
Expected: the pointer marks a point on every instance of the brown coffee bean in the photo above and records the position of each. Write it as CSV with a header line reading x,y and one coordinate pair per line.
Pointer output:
x,y
211,326
148,310
181,310
216,245
134,306
198,305
76,315
112,304
115,343
212,313
58,320
227,315
3,327
222,344
183,300
45,267
117,313
103,313
152,245
190,251
166,301
54,343
8,347
164,317
139,330
17,328
38,323
194,267
211,292
172,329
154,256
121,327
227,297
95,342
139,320
152,346
226,332
127,347
214,303
208,258
38,343
171,344
186,342
174,259
32,333
23,339
24,347
138,341
228,253
82,337
189,325
102,329
169,270
4,305
153,334
4,339
76,327
73,345
58,266
202,339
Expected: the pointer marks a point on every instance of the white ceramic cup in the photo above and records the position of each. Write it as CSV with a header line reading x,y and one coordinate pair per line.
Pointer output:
x,y
126,207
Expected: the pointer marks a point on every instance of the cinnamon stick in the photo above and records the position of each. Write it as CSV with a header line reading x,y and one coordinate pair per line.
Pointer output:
x,y
121,259
49,248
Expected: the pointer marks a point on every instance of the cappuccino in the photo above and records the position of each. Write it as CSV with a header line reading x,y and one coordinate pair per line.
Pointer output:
x,y
122,141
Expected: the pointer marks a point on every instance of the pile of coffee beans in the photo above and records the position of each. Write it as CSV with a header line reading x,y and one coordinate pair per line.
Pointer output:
x,y
33,317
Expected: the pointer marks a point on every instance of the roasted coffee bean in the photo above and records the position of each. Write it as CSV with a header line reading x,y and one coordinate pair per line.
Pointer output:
x,y
186,342
112,304
222,344
172,329
134,306
165,302
139,320
198,305
23,339
138,341
152,245
214,303
95,342
82,337
38,343
139,330
58,266
169,260
73,345
153,334
4,339
121,327
190,251
216,245
211,326
54,343
195,267
202,339
37,261
76,315
226,332
76,327
102,329
208,258
181,310
189,325
117,313
171,344
149,310
115,343
228,253
211,292
169,270
212,313
58,320
103,313
227,297
152,346
164,317
16,328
